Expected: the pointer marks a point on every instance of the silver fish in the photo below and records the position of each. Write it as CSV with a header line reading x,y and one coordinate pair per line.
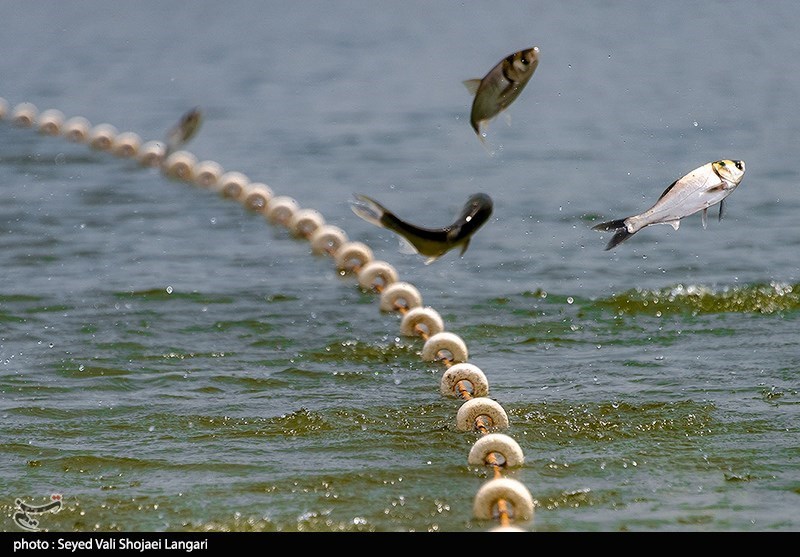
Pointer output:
x,y
430,242
697,191
184,130
501,86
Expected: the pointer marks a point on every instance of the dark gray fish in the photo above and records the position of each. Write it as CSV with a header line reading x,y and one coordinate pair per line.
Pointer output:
x,y
501,86
697,191
183,131
430,242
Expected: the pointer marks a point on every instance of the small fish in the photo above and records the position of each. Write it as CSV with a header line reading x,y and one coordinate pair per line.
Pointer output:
x,y
501,86
697,191
430,242
184,130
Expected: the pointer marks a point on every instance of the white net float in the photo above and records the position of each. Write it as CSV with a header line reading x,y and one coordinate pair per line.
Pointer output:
x,y
475,408
127,145
207,174
232,185
76,129
24,115
376,274
281,209
445,342
507,489
327,239
351,256
256,197
427,319
101,137
51,121
3,108
498,443
305,222
400,295
467,372
151,154
180,165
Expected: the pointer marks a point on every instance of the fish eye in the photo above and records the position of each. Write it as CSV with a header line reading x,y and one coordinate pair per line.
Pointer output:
x,y
524,60
739,165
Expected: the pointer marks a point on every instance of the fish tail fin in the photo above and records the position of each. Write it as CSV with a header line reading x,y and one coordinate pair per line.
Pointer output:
x,y
619,236
482,136
368,209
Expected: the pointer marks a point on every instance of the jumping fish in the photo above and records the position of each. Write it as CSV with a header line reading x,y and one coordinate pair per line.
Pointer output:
x,y
501,86
696,191
184,130
430,242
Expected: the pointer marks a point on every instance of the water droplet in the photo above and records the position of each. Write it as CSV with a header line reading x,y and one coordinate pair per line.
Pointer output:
x,y
695,124
570,300
169,290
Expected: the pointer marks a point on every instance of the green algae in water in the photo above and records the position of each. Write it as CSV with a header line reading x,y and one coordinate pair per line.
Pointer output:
x,y
693,299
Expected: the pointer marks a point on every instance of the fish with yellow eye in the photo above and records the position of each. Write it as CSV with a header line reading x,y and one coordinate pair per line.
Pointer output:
x,y
500,87
429,242
697,191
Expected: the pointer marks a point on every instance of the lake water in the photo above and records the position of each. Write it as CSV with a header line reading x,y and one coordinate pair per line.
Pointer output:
x,y
170,361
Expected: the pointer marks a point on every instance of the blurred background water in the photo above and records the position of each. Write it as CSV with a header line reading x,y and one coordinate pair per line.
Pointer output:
x,y
171,362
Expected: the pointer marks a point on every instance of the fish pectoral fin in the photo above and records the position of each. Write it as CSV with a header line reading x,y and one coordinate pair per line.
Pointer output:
x,y
675,224
704,218
721,209
431,259
407,247
464,247
472,85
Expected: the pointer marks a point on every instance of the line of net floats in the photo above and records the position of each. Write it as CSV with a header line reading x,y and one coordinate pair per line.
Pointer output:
x,y
500,499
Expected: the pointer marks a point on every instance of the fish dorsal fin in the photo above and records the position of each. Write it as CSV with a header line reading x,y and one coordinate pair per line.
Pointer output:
x,y
704,218
675,224
666,191
472,86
